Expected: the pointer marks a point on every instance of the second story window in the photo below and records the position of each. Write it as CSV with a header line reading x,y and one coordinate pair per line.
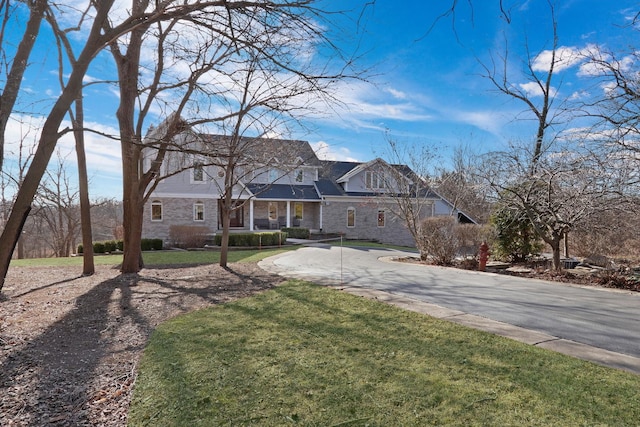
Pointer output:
x,y
374,180
198,172
299,175
273,175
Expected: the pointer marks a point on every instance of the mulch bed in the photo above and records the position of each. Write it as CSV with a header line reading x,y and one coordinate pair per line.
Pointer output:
x,y
70,345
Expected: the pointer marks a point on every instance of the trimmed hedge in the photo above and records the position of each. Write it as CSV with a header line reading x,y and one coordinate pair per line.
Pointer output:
x,y
297,232
111,246
274,238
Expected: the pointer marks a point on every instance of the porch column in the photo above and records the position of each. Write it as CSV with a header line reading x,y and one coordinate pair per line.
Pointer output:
x,y
288,213
321,203
250,214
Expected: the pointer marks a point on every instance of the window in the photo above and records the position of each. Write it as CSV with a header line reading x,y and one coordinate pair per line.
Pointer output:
x,y
381,218
299,175
298,210
198,211
374,180
273,175
273,211
156,210
351,217
198,172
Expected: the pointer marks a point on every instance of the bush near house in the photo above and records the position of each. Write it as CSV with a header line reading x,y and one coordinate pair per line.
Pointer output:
x,y
516,239
443,239
254,239
111,246
188,236
297,232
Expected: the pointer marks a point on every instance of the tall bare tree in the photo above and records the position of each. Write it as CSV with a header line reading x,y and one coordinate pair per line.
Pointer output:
x,y
57,205
15,69
571,185
247,67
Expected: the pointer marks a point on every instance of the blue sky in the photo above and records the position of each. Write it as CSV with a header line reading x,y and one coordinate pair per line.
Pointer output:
x,y
425,78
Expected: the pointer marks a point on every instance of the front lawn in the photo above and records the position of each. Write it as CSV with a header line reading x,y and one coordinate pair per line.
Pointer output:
x,y
307,355
153,258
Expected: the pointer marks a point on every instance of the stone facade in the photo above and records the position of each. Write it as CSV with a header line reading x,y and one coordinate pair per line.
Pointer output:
x,y
366,226
178,211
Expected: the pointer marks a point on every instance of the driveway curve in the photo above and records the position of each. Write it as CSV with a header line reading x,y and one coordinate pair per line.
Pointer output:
x,y
591,317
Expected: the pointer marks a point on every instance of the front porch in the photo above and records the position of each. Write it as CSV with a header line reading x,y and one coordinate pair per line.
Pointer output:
x,y
274,215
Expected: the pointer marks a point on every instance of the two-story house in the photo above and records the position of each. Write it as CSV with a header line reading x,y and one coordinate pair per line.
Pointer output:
x,y
282,183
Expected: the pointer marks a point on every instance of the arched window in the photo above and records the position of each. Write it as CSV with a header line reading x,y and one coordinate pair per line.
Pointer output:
x,y
156,210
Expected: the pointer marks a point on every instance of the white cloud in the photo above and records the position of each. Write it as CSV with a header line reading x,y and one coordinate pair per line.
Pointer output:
x,y
533,89
565,57
324,151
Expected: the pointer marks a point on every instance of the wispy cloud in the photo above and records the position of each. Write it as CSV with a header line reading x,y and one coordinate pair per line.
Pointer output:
x,y
324,151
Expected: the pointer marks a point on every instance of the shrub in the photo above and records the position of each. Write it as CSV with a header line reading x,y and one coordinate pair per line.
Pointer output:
x,y
297,232
515,238
470,237
151,244
110,246
437,239
188,236
274,238
98,247
118,245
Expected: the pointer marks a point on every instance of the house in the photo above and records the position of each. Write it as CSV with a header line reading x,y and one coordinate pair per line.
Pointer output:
x,y
281,183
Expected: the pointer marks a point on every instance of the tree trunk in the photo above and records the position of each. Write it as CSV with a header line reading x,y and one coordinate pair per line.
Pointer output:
x,y
88,266
566,244
46,145
555,247
132,261
14,79
224,245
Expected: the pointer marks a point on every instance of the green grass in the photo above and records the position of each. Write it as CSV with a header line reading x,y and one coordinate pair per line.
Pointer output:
x,y
157,258
307,355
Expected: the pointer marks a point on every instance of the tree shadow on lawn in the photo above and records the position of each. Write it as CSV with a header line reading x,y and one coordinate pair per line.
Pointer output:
x,y
80,370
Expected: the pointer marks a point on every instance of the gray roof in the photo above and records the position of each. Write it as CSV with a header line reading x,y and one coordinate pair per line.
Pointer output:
x,y
284,191
261,150
331,171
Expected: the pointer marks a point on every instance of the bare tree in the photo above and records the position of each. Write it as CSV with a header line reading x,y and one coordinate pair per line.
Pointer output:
x,y
246,71
50,133
615,105
407,186
571,184
538,185
15,69
57,205
462,185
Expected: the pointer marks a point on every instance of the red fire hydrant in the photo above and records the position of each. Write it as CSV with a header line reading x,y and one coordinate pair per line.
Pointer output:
x,y
483,256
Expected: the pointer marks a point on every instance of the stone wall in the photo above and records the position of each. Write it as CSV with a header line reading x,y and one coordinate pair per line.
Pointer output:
x,y
178,211
366,226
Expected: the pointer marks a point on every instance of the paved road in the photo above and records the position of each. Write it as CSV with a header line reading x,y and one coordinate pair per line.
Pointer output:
x,y
601,318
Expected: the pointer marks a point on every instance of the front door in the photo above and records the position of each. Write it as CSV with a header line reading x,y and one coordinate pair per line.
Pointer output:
x,y
236,218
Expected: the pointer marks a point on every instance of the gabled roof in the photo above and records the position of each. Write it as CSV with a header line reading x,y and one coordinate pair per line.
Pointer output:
x,y
261,150
333,173
359,168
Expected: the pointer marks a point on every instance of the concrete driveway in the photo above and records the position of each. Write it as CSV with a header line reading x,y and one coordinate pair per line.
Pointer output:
x,y
591,323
